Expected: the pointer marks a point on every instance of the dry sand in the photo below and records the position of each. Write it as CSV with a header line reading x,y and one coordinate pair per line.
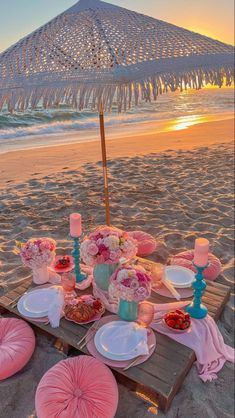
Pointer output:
x,y
162,184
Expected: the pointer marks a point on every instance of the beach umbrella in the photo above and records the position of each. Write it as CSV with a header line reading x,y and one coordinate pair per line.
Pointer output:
x,y
96,54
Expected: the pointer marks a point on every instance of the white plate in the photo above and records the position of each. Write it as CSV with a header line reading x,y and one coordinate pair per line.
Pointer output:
x,y
36,303
112,349
180,277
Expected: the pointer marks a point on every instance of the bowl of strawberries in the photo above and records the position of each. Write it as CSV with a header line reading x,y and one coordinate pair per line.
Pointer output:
x,y
177,321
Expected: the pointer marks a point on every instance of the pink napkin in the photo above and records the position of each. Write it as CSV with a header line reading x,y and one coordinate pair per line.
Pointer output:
x,y
204,338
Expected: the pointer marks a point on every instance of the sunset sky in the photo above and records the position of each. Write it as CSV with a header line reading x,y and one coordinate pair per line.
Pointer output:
x,y
210,17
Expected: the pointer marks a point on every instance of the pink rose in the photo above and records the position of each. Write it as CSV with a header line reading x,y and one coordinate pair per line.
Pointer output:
x,y
92,249
142,293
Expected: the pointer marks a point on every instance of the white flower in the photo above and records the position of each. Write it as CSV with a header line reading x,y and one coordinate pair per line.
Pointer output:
x,y
111,242
122,274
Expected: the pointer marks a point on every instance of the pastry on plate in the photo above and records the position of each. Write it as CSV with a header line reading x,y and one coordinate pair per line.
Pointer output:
x,y
81,312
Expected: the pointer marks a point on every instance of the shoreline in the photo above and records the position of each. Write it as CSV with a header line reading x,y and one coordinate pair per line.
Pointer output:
x,y
23,143
36,163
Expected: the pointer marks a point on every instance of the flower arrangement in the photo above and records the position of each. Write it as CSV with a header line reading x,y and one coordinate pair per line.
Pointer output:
x,y
130,283
106,245
37,252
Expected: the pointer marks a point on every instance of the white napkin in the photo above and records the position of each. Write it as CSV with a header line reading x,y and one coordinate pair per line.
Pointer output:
x,y
120,337
56,308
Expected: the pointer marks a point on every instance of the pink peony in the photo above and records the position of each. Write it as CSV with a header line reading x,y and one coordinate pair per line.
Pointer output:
x,y
126,282
102,248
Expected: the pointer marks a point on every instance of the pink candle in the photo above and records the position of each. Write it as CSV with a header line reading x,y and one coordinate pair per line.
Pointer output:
x,y
75,225
201,252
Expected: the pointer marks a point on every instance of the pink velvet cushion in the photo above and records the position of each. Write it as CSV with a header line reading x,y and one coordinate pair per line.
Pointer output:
x,y
146,243
185,259
79,387
17,343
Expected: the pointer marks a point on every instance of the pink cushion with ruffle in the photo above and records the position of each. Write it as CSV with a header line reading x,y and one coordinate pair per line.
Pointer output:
x,y
80,387
146,243
17,343
185,259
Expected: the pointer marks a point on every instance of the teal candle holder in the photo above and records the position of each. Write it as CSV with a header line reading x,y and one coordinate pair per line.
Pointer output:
x,y
197,309
128,311
77,259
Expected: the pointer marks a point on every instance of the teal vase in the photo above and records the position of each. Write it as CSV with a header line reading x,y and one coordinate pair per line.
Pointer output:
x,y
102,274
128,311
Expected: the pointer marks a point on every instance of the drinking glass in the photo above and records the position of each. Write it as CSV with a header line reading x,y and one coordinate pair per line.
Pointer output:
x,y
68,281
145,314
157,273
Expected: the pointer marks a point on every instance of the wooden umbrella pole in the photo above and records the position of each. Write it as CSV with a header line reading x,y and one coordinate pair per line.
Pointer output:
x,y
104,160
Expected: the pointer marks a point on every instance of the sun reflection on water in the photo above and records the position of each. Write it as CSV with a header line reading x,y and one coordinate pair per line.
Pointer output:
x,y
184,122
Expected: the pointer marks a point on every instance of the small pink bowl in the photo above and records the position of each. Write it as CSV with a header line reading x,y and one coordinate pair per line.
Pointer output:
x,y
177,331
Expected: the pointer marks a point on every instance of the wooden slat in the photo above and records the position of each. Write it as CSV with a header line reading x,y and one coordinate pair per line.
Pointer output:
x,y
162,375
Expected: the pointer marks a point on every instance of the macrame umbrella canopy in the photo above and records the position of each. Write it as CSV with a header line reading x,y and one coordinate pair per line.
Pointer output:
x,y
97,53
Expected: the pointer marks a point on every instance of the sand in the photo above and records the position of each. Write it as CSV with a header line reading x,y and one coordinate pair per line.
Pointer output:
x,y
176,186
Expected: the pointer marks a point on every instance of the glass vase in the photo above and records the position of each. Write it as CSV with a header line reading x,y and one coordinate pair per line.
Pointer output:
x,y
102,274
128,311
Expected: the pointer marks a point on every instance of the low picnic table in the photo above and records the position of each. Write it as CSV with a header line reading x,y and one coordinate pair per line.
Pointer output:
x,y
161,376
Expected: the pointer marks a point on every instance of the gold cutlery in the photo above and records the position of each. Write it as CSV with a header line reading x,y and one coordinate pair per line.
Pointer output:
x,y
90,331
133,363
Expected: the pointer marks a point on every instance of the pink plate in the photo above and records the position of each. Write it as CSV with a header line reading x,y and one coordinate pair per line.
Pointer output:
x,y
176,331
184,293
120,364
64,270
96,317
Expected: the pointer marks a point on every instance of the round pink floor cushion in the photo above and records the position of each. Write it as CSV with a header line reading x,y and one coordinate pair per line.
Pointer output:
x,y
17,344
79,387
185,259
146,243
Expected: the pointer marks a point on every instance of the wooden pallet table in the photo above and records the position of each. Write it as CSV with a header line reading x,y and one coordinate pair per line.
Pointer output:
x,y
159,378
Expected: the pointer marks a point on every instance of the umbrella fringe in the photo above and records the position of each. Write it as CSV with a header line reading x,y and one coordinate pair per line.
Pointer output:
x,y
124,94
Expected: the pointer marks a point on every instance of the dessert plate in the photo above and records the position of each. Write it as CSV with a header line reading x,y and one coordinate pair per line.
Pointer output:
x,y
180,277
89,299
54,268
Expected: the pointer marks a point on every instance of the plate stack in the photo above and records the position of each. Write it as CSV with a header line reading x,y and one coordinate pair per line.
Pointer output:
x,y
36,303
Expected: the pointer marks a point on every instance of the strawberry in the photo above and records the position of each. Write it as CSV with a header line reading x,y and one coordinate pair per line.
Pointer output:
x,y
187,323
170,323
184,326
179,321
179,312
97,305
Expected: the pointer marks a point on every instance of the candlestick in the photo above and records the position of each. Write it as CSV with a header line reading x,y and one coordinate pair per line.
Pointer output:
x,y
197,309
76,255
75,225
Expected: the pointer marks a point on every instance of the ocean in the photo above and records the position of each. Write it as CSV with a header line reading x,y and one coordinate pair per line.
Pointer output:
x,y
39,127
